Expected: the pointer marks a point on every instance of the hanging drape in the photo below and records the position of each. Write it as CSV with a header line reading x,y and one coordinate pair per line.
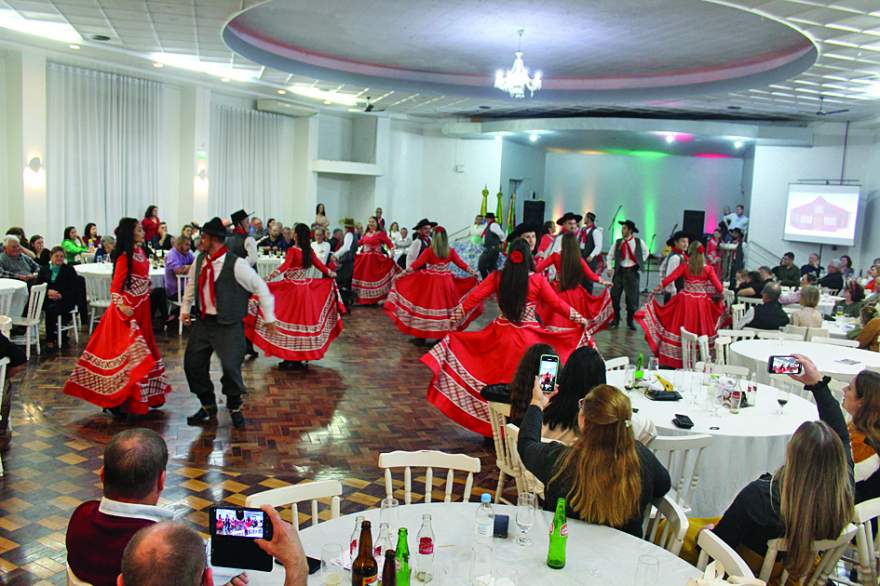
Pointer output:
x,y
103,148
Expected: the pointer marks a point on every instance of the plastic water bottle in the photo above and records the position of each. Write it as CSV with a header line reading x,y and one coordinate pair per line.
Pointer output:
x,y
484,526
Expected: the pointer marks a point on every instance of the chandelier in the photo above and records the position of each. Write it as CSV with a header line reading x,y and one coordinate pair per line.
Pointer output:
x,y
516,81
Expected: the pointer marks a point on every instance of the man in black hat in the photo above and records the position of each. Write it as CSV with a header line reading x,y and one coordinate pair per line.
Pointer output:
x,y
590,239
678,245
628,254
528,233
242,244
421,241
568,223
220,285
493,236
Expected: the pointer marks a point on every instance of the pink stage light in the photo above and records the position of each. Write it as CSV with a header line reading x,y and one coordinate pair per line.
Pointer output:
x,y
712,156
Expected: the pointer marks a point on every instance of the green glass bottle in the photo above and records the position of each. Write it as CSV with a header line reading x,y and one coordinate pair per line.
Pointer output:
x,y
403,569
640,363
558,537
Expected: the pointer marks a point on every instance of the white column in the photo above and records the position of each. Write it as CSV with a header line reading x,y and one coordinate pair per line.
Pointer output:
x,y
305,150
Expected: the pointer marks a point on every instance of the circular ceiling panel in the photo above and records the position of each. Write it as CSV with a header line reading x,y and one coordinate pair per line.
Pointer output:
x,y
629,49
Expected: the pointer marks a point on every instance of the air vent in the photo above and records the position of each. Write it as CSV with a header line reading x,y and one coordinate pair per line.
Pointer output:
x,y
100,38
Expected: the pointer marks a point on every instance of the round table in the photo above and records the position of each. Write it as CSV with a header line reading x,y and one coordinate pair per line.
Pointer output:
x,y
594,554
101,269
267,264
837,362
744,445
841,327
13,297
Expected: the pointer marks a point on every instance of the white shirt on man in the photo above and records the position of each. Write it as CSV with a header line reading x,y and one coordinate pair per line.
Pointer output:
x,y
250,247
497,230
737,221
672,263
321,250
626,260
347,243
244,276
414,251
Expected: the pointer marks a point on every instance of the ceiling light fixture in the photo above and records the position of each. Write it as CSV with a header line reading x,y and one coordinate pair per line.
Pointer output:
x,y
738,144
280,92
516,81
533,137
670,138
74,46
56,31
158,65
327,97
193,63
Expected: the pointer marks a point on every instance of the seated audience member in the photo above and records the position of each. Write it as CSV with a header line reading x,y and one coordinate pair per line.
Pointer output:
x,y
108,243
273,240
789,503
834,279
17,362
163,240
519,392
286,238
14,264
177,262
787,273
606,476
90,236
813,267
402,243
584,370
134,477
257,230
768,315
751,283
853,299
869,331
873,273
73,246
170,553
61,294
321,246
795,296
26,248
38,247
846,267
861,400
807,316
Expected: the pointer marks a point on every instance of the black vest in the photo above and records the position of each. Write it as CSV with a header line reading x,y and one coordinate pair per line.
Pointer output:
x,y
618,252
235,244
491,240
232,298
590,244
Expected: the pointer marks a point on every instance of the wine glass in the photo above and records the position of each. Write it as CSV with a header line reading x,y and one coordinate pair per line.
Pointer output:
x,y
653,363
526,504
331,565
388,513
647,571
782,399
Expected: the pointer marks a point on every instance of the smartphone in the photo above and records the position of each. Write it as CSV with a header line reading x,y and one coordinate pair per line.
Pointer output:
x,y
784,365
547,372
502,523
682,421
233,531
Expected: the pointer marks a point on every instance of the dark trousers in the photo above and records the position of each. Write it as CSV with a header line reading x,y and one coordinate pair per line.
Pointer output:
x,y
586,283
488,261
227,341
159,302
625,281
53,309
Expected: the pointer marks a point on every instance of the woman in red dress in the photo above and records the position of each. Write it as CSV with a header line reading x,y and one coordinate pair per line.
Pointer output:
x,y
692,308
121,369
421,302
571,270
373,269
151,223
308,310
465,362
713,254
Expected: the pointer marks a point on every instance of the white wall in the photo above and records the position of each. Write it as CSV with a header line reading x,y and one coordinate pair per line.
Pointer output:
x,y
652,191
527,163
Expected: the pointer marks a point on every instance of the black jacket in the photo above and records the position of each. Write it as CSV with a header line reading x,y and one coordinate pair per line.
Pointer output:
x,y
769,316
71,286
833,281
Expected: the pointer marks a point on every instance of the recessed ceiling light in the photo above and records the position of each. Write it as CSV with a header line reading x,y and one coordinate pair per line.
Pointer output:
x,y
74,46
738,144
158,65
224,79
670,138
56,31
327,97
193,63
280,92
734,107
533,137
327,102
100,38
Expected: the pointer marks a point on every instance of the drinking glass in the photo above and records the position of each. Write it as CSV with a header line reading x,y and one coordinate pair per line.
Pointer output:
x,y
782,399
481,565
331,565
647,571
654,363
505,576
629,377
526,504
388,513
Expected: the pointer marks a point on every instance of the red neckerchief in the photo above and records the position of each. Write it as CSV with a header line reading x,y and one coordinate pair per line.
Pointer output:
x,y
207,276
627,253
240,230
582,236
488,225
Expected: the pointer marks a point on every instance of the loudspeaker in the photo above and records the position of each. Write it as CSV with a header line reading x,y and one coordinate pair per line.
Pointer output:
x,y
693,222
533,212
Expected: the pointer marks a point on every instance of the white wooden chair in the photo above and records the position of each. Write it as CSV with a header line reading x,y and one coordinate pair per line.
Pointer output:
x,y
867,554
712,548
816,333
722,349
681,456
98,296
836,342
293,495
829,552
777,335
705,351
737,335
429,459
737,311
798,330
729,297
75,324
669,534
525,480
4,362
728,369
31,320
182,280
5,304
619,363
498,414
72,580
690,349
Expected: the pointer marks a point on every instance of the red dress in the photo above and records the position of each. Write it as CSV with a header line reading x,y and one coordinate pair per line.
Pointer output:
x,y
597,309
373,269
691,308
308,312
713,256
151,228
465,362
421,303
121,365
545,245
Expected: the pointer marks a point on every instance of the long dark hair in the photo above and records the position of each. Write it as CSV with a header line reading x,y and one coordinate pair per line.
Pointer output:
x,y
320,209
67,232
124,245
304,242
570,271
148,213
524,379
513,286
86,234
584,370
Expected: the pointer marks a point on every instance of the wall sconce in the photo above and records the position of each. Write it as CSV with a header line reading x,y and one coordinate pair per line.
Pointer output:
x,y
203,174
35,164
34,174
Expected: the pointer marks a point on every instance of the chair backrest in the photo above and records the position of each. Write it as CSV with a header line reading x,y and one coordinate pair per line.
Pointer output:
x,y
293,495
98,287
35,302
72,580
729,297
836,342
712,548
681,456
728,369
498,414
690,348
816,333
800,331
737,335
828,550
429,459
737,311
769,335
722,349
619,363
705,353
525,480
665,524
182,281
866,513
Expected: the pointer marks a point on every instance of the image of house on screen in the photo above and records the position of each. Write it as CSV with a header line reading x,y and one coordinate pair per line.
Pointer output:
x,y
819,215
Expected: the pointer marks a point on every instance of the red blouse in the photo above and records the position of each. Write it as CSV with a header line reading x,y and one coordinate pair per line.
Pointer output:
x,y
151,228
683,271
293,260
539,290
139,284
429,258
373,241
556,261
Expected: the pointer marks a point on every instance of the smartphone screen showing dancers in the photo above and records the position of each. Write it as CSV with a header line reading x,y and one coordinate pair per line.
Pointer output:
x,y
239,523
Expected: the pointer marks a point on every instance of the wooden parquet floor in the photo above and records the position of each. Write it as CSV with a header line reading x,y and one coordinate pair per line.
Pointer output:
x,y
367,396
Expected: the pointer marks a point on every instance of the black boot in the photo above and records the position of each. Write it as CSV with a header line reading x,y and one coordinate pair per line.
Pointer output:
x,y
631,325
250,351
614,323
238,420
205,414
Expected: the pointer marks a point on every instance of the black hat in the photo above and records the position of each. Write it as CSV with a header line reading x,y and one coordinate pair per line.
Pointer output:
x,y
239,216
424,222
631,225
489,216
520,230
215,228
591,216
677,236
568,216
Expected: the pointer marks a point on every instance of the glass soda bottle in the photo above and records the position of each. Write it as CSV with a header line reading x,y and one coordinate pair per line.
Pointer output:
x,y
383,542
640,374
355,536
558,537
403,569
424,562
389,570
364,569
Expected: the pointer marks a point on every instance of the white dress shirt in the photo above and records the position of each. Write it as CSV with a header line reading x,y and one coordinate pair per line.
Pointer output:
x,y
244,276
321,250
134,511
496,229
735,221
347,243
413,252
671,264
625,260
250,247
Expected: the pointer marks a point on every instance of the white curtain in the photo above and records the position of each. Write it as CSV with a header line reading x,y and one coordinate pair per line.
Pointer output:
x,y
245,161
103,148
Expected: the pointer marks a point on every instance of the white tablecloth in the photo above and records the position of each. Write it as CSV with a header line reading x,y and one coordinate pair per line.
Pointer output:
x,y
157,276
13,297
836,361
840,327
594,554
267,264
744,445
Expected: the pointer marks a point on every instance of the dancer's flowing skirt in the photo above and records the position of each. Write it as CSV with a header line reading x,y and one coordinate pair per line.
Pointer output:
x,y
421,304
695,311
373,273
